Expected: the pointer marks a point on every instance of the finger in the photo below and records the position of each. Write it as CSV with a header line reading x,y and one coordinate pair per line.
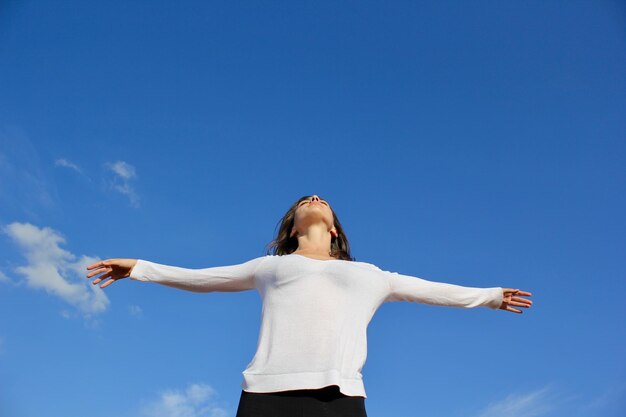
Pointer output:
x,y
98,271
521,300
510,291
101,278
517,303
109,282
95,264
514,310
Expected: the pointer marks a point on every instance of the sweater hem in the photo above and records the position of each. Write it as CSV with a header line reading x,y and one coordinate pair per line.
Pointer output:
x,y
302,380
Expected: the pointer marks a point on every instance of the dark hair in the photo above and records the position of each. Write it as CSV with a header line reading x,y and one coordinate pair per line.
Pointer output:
x,y
284,244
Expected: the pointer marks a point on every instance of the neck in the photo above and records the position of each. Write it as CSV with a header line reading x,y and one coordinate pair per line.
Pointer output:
x,y
315,240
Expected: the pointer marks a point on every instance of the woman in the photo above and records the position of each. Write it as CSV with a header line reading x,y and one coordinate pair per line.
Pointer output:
x,y
317,303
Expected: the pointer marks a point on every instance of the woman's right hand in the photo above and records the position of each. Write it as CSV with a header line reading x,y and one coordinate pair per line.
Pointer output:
x,y
510,297
116,268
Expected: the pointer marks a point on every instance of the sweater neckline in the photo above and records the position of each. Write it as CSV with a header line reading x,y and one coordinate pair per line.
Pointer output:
x,y
313,259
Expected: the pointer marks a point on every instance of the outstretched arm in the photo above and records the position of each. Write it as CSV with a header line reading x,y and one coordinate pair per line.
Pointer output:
x,y
409,288
229,278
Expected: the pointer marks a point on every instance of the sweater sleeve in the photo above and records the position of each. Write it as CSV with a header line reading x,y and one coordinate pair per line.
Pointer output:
x,y
229,278
418,290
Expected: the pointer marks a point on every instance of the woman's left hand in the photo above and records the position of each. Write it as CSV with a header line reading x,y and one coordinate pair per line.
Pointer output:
x,y
511,297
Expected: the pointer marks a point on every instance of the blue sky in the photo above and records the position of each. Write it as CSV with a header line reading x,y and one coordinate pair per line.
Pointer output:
x,y
477,143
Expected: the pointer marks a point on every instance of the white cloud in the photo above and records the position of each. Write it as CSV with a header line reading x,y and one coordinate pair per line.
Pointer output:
x,y
547,401
530,404
613,399
25,185
135,311
65,163
124,173
4,278
197,400
62,162
55,270
124,170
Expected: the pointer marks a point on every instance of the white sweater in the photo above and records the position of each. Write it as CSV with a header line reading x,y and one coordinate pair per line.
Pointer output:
x,y
315,313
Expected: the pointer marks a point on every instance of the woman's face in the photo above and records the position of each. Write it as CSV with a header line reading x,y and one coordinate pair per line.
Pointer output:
x,y
313,210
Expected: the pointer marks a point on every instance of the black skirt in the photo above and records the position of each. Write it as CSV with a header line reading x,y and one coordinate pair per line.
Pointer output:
x,y
323,402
